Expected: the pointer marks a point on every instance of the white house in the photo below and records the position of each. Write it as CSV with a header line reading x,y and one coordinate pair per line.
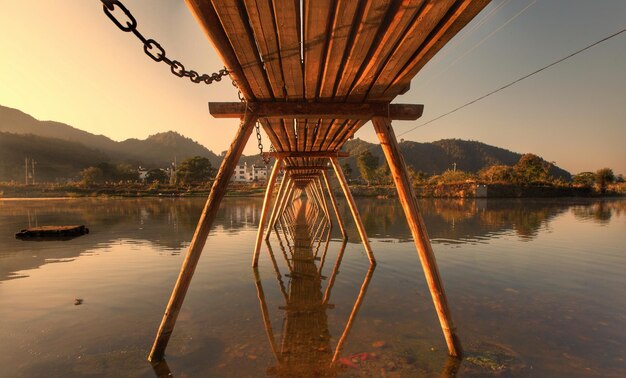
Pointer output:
x,y
249,173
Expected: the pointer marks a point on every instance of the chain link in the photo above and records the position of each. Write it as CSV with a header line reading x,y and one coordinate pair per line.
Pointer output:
x,y
153,49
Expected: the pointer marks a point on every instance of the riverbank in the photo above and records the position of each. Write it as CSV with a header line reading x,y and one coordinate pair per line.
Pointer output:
x,y
460,190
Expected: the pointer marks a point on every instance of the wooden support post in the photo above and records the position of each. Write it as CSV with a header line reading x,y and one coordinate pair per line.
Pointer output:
x,y
355,310
331,280
418,230
218,190
266,317
320,191
353,209
285,200
266,206
335,207
282,189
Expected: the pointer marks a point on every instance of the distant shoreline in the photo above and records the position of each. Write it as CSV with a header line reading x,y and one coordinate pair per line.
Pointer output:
x,y
43,192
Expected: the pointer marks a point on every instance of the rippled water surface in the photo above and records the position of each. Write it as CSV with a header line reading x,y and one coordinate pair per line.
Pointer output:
x,y
536,288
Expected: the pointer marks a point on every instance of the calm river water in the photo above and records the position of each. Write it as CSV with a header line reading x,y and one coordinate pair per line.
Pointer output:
x,y
536,288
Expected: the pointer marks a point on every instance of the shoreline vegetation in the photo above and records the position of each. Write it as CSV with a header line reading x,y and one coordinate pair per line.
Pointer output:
x,y
468,189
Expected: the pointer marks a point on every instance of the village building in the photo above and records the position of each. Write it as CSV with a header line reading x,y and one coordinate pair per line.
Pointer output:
x,y
250,173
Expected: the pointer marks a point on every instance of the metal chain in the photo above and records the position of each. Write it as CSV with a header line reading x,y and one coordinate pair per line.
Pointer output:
x,y
153,49
266,160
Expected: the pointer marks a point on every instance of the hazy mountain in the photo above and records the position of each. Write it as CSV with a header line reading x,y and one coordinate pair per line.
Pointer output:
x,y
24,136
61,151
436,157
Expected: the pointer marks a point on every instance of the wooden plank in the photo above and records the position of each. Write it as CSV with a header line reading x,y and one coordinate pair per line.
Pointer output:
x,y
418,230
261,16
460,15
218,190
301,129
402,13
373,15
317,110
316,24
205,14
237,28
287,16
322,131
430,15
271,133
335,130
342,24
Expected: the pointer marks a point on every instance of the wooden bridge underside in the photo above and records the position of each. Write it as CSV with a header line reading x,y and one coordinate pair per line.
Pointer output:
x,y
312,73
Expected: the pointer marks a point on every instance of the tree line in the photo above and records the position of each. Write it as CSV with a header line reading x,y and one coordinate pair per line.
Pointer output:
x,y
529,170
191,171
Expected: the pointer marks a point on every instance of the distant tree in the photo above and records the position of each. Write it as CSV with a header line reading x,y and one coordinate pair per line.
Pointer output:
x,y
347,170
416,177
531,168
194,170
619,178
451,177
497,173
367,163
157,175
383,175
126,172
604,177
91,175
584,179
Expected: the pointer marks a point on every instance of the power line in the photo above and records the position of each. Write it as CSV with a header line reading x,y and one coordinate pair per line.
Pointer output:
x,y
515,81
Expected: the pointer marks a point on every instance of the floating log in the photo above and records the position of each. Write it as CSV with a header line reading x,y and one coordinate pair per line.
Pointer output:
x,y
52,232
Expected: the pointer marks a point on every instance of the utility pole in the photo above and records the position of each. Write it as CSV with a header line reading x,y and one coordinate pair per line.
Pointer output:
x,y
26,170
32,162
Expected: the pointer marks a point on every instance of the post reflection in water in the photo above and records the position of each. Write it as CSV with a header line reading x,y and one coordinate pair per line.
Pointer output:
x,y
305,347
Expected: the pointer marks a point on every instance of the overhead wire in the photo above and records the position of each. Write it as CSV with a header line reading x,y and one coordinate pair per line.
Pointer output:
x,y
491,34
515,81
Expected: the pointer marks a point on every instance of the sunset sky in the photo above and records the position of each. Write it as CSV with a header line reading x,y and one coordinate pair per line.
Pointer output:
x,y
64,60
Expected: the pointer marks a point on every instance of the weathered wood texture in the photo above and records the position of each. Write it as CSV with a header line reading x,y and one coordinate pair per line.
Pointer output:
x,y
363,111
418,230
328,52
218,190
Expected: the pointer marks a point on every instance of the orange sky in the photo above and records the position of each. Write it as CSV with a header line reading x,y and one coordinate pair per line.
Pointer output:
x,y
65,61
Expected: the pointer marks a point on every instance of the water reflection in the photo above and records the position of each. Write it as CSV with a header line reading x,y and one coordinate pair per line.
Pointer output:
x,y
168,224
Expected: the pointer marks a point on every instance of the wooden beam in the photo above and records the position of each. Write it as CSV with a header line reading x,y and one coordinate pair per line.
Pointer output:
x,y
418,230
353,209
317,110
305,167
305,154
266,206
218,190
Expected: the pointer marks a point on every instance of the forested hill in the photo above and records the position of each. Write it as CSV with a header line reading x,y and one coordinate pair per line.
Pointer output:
x,y
61,151
437,157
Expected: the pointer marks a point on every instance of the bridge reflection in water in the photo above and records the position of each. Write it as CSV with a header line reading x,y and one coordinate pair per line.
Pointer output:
x,y
305,348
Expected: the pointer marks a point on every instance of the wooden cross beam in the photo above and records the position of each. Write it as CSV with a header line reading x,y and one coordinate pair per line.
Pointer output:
x,y
362,111
305,167
306,154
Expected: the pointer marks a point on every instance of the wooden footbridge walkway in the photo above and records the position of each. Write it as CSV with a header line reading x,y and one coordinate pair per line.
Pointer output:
x,y
312,73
